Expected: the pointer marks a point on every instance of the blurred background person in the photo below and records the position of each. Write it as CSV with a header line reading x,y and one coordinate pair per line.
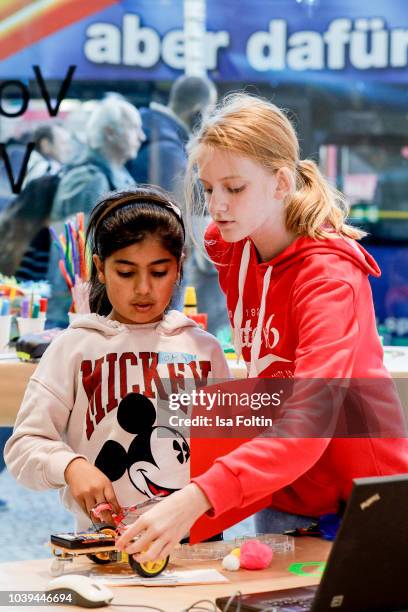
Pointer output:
x,y
16,147
162,161
114,135
162,158
53,147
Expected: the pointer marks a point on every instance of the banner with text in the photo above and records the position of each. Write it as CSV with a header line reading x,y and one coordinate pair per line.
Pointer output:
x,y
277,41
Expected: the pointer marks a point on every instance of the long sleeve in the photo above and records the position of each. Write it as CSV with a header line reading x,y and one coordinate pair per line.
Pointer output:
x,y
325,315
327,328
36,454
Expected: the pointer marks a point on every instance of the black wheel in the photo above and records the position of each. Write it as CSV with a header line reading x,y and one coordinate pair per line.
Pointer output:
x,y
106,556
149,568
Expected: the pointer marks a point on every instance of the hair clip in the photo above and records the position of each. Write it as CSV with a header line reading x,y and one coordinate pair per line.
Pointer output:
x,y
174,208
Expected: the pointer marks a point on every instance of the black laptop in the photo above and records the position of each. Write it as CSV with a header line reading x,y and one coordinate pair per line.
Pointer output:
x,y
367,569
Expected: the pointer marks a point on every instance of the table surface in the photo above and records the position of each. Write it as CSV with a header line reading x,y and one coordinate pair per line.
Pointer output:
x,y
34,575
14,376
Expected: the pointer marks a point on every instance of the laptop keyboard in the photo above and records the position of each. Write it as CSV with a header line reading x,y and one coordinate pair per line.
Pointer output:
x,y
291,604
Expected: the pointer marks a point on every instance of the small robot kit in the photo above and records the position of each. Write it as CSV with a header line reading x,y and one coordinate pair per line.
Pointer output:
x,y
99,545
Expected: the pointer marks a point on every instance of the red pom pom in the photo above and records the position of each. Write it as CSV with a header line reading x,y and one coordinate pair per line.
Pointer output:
x,y
255,555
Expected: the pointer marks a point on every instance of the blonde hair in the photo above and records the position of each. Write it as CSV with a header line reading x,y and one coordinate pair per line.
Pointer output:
x,y
255,128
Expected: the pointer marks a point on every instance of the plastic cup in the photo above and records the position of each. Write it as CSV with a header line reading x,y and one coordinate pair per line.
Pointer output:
x,y
5,325
27,325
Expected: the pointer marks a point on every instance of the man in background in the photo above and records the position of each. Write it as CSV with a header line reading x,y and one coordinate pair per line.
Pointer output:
x,y
162,158
52,148
114,135
162,161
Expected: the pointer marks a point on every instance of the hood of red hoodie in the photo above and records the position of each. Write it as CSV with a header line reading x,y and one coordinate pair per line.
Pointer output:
x,y
295,253
338,245
235,260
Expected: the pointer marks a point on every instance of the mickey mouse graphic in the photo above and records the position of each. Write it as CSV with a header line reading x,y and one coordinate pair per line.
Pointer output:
x,y
157,460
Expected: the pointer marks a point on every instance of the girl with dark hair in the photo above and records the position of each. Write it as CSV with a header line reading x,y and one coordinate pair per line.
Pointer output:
x,y
135,221
89,420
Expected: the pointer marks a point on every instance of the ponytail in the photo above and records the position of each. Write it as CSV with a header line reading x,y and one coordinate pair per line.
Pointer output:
x,y
317,209
257,129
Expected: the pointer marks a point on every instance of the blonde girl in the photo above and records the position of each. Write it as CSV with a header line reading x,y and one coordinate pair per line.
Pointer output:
x,y
300,305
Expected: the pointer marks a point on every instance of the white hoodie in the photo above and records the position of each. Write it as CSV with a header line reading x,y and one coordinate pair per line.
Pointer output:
x,y
95,394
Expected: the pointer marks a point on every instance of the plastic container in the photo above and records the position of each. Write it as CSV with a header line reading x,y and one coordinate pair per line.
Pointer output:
x,y
217,550
27,325
5,326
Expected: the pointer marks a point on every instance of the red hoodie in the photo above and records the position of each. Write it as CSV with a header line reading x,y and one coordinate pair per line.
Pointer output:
x,y
306,313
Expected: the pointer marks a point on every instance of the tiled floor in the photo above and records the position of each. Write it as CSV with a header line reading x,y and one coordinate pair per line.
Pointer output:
x,y
30,516
28,519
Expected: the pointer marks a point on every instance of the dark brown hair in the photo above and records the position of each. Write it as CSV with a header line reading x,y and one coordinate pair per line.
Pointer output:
x,y
124,218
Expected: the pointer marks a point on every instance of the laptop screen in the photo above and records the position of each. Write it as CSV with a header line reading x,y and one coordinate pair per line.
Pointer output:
x,y
370,550
367,570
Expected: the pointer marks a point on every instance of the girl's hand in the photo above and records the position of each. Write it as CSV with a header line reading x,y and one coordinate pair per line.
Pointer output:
x,y
164,525
89,486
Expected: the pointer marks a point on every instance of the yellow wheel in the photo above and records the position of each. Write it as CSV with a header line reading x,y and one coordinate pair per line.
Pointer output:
x,y
105,556
148,569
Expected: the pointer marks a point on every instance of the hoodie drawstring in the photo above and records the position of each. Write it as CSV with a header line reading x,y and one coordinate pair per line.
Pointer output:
x,y
239,310
257,337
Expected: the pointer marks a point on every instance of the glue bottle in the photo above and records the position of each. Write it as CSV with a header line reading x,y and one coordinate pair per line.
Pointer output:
x,y
190,302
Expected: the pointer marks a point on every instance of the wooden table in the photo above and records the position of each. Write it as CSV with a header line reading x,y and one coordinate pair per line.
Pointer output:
x,y
14,376
34,575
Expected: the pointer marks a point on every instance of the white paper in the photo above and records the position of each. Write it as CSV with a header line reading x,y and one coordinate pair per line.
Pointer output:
x,y
167,578
11,356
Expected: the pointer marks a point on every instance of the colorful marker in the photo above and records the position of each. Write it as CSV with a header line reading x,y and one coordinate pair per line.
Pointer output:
x,y
25,308
5,307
